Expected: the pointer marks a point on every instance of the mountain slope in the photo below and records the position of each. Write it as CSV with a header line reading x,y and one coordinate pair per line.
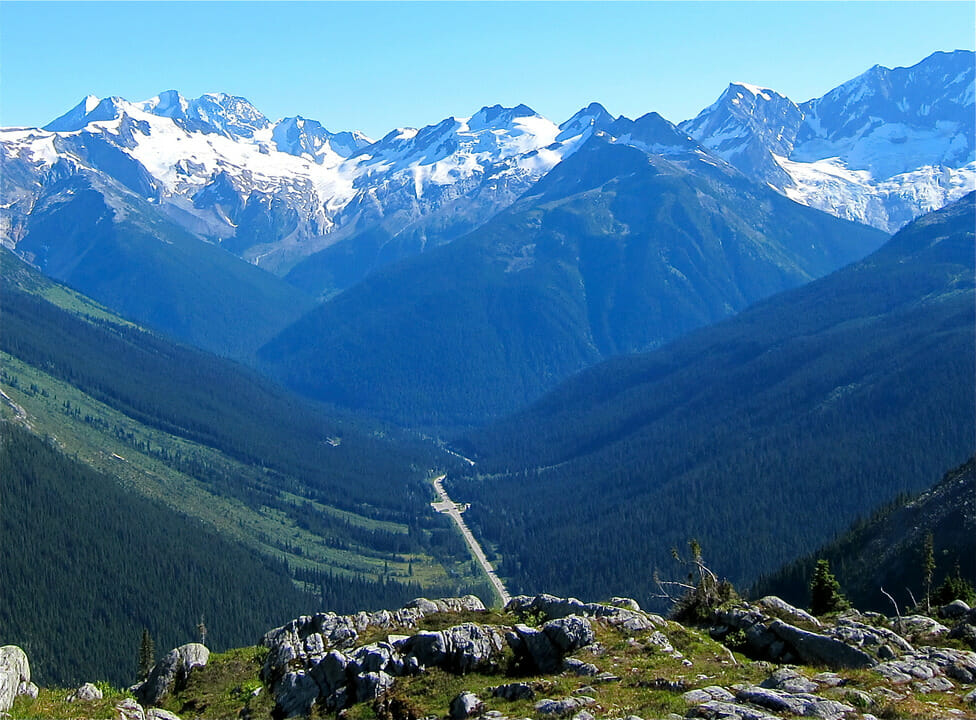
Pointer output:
x,y
615,250
822,403
114,247
881,149
343,500
125,562
886,550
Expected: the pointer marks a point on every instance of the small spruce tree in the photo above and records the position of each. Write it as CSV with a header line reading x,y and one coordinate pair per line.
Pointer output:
x,y
147,654
928,568
825,594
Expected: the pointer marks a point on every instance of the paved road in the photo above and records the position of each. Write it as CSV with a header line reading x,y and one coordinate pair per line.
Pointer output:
x,y
449,507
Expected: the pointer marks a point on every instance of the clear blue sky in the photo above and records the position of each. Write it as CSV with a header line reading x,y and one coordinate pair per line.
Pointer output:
x,y
374,66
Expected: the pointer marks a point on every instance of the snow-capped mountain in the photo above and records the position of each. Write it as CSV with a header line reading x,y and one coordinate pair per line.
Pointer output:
x,y
881,149
326,208
275,192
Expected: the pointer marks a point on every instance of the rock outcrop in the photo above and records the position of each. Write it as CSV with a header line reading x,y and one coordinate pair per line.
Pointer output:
x,y
312,661
15,676
170,674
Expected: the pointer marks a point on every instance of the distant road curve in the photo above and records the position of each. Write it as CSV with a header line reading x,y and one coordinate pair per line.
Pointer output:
x,y
449,507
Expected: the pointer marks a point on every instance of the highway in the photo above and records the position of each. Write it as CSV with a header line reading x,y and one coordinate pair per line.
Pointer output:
x,y
449,507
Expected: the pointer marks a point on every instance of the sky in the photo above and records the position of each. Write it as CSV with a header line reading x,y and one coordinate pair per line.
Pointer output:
x,y
375,66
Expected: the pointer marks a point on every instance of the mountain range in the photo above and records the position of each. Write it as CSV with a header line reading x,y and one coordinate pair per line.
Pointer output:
x,y
879,149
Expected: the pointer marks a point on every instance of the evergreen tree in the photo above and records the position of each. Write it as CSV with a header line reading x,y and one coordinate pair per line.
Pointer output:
x,y
147,654
825,594
928,568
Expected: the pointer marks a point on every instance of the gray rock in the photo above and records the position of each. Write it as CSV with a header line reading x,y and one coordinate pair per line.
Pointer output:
x,y
534,648
330,673
915,626
8,690
954,610
583,715
569,633
625,603
970,698
513,691
466,705
170,674
31,691
160,714
871,638
371,685
933,685
129,709
552,608
461,649
85,693
295,694
719,710
789,680
579,667
376,657
817,649
565,706
805,704
712,692
781,607
15,676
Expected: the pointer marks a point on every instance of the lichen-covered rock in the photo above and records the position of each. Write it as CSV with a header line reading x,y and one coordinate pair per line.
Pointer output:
x,y
462,648
705,694
569,633
565,706
129,709
721,710
955,610
581,668
553,608
85,693
465,705
801,703
371,685
15,675
817,649
170,674
913,627
782,608
790,680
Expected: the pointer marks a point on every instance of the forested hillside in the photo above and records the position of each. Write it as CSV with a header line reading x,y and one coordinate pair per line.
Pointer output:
x,y
332,504
87,565
887,551
613,251
763,436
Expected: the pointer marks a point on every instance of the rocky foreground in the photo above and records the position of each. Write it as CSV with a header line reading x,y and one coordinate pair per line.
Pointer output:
x,y
548,657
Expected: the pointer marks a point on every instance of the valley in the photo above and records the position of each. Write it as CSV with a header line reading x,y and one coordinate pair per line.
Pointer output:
x,y
262,383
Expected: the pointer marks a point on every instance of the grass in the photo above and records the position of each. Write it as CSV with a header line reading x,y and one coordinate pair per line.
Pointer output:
x,y
228,687
52,704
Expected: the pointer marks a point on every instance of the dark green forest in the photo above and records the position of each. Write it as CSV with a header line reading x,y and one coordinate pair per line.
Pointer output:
x,y
763,437
887,549
215,402
86,566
